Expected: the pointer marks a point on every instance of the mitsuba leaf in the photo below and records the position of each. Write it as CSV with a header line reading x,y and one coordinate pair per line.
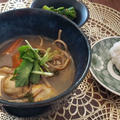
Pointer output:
x,y
30,70
35,78
26,53
23,50
22,73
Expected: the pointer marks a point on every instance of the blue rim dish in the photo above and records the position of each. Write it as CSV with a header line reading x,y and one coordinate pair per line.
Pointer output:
x,y
81,9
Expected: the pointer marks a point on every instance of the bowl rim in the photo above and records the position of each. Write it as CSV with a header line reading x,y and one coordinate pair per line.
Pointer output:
x,y
96,78
70,89
80,3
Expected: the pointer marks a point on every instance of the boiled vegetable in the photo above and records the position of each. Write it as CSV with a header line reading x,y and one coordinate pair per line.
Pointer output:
x,y
68,12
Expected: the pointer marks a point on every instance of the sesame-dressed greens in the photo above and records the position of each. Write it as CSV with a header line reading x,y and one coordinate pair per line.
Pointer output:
x,y
68,12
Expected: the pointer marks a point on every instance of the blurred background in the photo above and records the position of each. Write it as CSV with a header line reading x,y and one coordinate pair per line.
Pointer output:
x,y
111,3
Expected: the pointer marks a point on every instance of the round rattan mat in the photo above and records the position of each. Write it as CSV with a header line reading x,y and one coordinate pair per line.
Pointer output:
x,y
90,101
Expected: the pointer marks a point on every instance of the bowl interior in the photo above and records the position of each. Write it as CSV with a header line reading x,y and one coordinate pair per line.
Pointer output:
x,y
39,22
81,9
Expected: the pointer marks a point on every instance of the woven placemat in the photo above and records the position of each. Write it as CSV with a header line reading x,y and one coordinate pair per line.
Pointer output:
x,y
90,101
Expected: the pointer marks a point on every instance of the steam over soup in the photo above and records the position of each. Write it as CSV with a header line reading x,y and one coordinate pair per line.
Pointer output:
x,y
34,68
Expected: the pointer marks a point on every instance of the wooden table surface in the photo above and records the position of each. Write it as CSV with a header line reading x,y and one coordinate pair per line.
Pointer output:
x,y
111,3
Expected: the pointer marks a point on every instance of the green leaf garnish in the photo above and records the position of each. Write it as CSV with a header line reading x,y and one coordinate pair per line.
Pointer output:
x,y
22,73
32,66
35,78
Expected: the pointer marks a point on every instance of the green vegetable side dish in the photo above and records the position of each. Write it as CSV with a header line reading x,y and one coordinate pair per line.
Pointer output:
x,y
32,66
68,12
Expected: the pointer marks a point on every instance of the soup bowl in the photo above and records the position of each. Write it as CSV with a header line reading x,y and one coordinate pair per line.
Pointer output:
x,y
39,22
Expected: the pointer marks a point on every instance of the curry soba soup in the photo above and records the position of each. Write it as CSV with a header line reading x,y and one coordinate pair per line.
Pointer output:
x,y
34,68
